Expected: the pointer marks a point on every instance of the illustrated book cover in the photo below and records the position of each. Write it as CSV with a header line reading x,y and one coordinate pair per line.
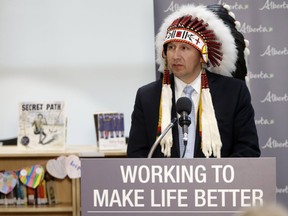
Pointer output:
x,y
42,125
110,130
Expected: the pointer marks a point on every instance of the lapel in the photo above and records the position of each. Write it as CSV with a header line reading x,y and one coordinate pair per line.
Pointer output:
x,y
211,79
175,152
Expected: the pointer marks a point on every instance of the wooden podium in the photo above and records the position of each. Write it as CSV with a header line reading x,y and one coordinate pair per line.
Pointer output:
x,y
206,187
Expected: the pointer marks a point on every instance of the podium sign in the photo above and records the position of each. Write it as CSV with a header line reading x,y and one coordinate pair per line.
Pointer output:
x,y
142,187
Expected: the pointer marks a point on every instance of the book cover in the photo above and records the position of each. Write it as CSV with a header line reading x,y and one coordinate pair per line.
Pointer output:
x,y
110,130
42,193
10,198
51,192
42,125
2,198
21,193
31,196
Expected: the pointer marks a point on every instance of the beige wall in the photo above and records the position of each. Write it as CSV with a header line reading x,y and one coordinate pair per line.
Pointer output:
x,y
76,51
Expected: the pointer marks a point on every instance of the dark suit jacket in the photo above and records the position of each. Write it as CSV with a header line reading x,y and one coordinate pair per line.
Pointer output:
x,y
234,113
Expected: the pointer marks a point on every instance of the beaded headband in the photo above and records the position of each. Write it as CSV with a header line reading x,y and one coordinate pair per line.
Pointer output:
x,y
193,32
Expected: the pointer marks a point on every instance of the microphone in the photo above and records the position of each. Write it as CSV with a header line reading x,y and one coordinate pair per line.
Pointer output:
x,y
174,120
183,107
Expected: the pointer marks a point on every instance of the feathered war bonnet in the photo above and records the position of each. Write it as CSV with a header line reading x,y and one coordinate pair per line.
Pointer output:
x,y
206,31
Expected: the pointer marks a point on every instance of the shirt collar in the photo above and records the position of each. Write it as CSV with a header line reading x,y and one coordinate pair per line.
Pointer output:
x,y
196,84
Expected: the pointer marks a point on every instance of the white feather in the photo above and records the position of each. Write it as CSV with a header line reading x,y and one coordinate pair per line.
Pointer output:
x,y
206,138
237,25
227,6
167,141
231,14
210,136
247,52
247,43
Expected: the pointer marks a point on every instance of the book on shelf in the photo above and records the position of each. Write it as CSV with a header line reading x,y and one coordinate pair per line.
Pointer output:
x,y
21,192
51,192
42,193
31,196
42,125
23,195
110,130
10,198
2,198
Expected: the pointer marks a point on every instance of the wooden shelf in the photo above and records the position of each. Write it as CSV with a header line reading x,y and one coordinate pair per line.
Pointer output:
x,y
36,208
13,151
67,190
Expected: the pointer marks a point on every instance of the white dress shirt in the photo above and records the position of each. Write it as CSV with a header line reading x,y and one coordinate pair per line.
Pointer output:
x,y
179,87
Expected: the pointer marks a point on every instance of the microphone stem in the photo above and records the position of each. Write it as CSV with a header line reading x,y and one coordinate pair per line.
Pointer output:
x,y
161,137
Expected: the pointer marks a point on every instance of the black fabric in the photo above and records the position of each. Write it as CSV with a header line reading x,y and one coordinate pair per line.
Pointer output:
x,y
234,113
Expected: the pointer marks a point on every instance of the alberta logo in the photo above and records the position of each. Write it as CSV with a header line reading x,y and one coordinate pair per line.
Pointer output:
x,y
261,75
263,121
271,5
272,51
282,190
236,5
273,144
246,28
273,98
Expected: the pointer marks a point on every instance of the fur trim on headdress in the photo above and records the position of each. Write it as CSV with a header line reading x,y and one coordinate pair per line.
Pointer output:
x,y
221,31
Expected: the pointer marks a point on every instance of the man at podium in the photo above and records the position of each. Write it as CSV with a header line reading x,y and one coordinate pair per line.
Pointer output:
x,y
201,55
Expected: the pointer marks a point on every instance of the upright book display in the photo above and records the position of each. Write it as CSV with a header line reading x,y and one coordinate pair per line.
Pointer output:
x,y
110,130
42,125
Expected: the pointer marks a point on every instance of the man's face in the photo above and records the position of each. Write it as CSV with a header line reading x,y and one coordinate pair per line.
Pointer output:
x,y
184,61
